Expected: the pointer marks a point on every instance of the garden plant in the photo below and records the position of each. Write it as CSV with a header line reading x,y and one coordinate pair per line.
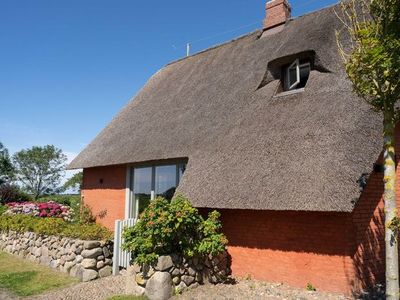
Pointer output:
x,y
174,227
52,218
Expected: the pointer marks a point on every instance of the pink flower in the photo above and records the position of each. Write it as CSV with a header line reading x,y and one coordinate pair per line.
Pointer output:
x,y
43,210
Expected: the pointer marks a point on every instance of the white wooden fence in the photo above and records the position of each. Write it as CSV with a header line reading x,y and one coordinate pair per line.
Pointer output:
x,y
121,258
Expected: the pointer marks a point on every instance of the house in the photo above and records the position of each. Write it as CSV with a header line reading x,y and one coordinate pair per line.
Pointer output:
x,y
267,130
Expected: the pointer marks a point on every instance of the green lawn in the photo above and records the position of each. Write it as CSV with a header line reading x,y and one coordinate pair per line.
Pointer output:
x,y
25,278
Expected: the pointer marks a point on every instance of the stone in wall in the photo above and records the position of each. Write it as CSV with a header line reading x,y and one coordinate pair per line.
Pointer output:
x,y
86,260
173,273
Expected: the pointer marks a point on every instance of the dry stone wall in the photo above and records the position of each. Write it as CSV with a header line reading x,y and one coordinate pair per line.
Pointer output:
x,y
86,260
172,273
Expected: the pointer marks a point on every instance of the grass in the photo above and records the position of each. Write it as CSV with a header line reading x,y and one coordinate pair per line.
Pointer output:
x,y
25,278
70,200
128,297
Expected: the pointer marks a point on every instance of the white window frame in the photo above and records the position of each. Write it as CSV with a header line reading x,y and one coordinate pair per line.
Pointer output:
x,y
298,66
131,205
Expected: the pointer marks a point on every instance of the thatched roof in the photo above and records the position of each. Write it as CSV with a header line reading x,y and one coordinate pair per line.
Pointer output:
x,y
246,148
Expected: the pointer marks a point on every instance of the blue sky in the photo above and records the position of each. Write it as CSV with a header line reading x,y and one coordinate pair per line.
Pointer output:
x,y
67,67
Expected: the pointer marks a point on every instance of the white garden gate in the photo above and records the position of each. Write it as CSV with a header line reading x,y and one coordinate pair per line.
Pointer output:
x,y
121,258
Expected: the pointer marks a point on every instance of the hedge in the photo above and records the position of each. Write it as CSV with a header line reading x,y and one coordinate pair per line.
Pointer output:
x,y
67,199
3,209
54,226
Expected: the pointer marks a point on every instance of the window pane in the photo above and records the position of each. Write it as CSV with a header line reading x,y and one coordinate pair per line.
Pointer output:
x,y
304,71
142,188
304,74
292,76
165,184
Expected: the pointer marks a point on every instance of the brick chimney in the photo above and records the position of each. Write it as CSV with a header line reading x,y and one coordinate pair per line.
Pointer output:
x,y
277,13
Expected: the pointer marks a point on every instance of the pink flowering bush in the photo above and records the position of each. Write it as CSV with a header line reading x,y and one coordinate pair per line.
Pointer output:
x,y
23,208
48,209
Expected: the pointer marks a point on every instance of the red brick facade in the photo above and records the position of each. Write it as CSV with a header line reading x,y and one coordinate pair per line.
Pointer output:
x,y
367,239
292,247
338,252
104,192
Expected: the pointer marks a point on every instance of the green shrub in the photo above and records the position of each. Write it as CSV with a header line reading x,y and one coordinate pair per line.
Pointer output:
x,y
85,215
92,231
50,226
70,200
174,227
12,193
3,208
53,226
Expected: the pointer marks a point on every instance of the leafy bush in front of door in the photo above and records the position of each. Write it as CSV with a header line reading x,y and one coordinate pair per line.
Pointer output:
x,y
174,227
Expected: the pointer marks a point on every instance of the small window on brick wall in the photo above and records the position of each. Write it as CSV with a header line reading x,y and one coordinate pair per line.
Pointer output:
x,y
295,75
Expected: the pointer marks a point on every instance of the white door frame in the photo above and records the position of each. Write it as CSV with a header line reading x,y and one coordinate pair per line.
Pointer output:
x,y
129,205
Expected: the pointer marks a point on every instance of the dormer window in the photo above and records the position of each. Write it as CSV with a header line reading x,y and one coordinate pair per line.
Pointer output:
x,y
290,74
295,76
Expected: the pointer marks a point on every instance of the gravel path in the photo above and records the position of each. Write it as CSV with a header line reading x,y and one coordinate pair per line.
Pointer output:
x,y
4,295
99,289
104,288
254,290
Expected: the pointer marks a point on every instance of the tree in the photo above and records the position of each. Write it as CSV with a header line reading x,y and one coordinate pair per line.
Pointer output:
x,y
75,182
6,167
40,169
372,63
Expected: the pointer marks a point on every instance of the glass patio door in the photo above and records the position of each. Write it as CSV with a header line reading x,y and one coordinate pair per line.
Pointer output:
x,y
142,188
153,181
165,181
